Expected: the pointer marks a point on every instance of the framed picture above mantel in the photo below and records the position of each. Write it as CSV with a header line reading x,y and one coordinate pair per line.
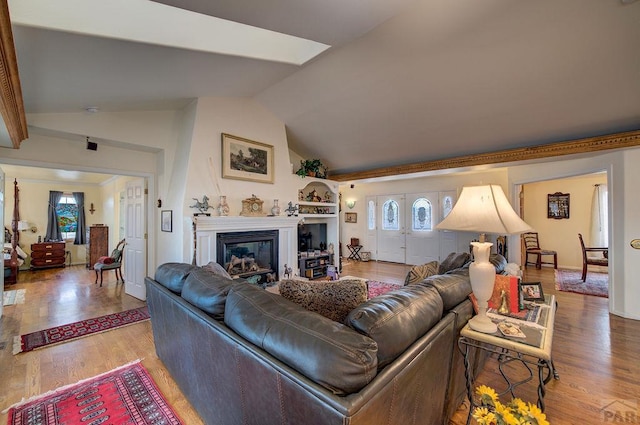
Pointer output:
x,y
558,205
244,159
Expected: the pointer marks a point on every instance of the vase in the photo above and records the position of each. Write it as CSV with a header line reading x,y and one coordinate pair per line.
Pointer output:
x,y
275,210
223,207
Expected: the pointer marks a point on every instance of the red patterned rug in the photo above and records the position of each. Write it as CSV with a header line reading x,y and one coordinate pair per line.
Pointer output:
x,y
375,288
79,329
126,395
571,281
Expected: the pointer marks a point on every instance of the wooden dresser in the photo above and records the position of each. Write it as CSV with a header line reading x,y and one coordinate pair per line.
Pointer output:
x,y
97,244
47,254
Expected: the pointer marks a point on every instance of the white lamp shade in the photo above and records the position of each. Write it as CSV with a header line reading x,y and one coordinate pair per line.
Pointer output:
x,y
483,209
23,225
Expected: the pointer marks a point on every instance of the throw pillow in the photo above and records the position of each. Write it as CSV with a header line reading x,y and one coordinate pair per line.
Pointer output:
x,y
418,273
331,299
455,260
105,260
216,269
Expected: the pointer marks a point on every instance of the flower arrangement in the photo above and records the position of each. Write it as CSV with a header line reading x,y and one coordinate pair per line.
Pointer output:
x,y
516,412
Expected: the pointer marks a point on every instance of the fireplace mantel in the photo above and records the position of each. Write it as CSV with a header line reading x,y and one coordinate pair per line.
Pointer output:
x,y
207,229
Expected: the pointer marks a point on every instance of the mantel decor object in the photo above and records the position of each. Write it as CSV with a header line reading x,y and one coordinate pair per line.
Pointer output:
x,y
201,206
223,207
252,207
483,209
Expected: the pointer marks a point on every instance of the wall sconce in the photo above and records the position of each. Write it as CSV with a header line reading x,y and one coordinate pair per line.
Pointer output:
x,y
351,203
91,209
23,226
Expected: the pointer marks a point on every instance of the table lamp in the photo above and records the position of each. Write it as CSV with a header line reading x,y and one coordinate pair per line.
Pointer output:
x,y
483,209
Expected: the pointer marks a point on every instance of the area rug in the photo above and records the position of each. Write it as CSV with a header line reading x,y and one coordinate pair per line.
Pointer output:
x,y
64,333
571,281
375,288
15,296
126,395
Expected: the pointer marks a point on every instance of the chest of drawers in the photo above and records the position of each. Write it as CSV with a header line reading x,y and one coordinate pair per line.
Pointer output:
x,y
47,254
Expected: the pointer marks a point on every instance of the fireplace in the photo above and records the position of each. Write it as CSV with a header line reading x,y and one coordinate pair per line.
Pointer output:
x,y
251,255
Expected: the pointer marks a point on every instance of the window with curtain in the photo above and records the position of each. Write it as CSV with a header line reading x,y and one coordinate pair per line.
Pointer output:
x,y
600,217
67,212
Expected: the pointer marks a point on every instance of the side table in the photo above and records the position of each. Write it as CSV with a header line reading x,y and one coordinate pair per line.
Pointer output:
x,y
354,252
534,349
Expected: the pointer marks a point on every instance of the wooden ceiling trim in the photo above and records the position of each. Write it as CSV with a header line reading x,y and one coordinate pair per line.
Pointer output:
x,y
11,104
572,147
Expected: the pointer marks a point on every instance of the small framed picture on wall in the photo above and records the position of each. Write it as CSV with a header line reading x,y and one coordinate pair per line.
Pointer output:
x,y
350,217
166,221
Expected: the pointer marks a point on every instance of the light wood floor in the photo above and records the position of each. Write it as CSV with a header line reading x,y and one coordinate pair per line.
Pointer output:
x,y
595,353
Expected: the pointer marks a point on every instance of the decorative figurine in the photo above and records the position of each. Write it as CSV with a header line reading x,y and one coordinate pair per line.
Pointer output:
x,y
287,272
201,206
292,210
504,304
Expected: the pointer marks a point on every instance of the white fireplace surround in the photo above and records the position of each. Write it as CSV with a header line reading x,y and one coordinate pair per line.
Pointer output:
x,y
207,229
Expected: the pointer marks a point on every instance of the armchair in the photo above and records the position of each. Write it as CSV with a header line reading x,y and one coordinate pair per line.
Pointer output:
x,y
594,261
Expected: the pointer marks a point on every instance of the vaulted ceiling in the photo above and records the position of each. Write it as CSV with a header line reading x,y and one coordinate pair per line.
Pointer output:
x,y
403,81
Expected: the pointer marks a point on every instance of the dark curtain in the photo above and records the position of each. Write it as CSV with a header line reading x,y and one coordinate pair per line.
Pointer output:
x,y
53,229
81,231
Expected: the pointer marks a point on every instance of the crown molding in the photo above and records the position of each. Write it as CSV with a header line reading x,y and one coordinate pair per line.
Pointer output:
x,y
11,104
572,147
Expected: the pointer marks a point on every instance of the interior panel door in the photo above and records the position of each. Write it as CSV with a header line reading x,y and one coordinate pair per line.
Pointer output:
x,y
135,250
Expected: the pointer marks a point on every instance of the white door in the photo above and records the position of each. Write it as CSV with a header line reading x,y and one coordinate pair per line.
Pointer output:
x,y
135,250
371,242
448,239
2,221
422,215
391,230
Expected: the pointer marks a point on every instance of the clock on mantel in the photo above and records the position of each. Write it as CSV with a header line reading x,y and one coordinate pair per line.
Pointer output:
x,y
252,207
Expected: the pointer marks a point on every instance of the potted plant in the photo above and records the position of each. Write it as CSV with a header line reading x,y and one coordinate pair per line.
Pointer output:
x,y
311,168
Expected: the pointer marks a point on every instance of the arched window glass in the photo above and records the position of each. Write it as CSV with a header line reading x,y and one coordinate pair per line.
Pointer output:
x,y
371,215
421,215
447,206
390,216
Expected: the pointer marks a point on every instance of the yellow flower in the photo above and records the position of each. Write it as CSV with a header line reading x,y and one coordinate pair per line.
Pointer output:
x,y
487,395
483,416
506,414
536,413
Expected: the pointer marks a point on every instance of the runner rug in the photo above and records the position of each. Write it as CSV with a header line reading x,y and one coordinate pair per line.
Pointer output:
x,y
571,281
15,296
126,395
64,333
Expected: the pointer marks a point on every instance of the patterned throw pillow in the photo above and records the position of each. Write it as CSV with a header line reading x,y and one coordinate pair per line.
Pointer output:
x,y
455,260
419,273
332,299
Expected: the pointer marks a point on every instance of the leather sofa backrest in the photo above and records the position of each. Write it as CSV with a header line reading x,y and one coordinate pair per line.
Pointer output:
x,y
453,287
173,275
395,320
327,352
208,291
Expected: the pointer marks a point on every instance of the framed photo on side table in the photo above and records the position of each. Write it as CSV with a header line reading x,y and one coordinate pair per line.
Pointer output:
x,y
532,291
166,221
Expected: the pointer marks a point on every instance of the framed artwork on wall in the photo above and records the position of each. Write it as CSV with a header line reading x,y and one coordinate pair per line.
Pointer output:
x,y
166,221
350,217
558,205
244,159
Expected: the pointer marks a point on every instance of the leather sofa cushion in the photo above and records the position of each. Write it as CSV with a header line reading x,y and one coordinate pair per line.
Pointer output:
x,y
173,275
328,353
207,291
395,320
332,299
453,287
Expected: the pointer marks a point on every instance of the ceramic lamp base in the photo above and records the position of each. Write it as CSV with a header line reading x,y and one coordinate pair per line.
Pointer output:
x,y
482,324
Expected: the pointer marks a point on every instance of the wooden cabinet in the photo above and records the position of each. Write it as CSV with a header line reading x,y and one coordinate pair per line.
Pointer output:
x,y
47,254
314,267
97,244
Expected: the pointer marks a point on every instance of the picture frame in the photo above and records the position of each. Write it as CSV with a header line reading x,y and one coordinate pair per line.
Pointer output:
x,y
166,220
244,159
532,291
558,205
350,217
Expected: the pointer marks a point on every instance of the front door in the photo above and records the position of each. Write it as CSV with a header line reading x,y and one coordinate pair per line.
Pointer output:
x,y
422,215
391,228
135,250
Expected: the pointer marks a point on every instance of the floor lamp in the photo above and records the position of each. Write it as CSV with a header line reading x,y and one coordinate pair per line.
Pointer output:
x,y
483,209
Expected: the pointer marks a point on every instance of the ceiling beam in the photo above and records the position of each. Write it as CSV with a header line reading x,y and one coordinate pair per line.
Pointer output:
x,y
572,147
11,104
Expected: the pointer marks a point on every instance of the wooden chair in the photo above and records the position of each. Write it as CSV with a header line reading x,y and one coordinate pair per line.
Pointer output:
x,y
586,261
116,264
532,247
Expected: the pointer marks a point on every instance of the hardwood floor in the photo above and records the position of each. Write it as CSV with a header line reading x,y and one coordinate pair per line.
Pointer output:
x,y
595,353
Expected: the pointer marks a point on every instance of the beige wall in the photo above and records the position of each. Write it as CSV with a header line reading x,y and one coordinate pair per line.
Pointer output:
x,y
561,235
